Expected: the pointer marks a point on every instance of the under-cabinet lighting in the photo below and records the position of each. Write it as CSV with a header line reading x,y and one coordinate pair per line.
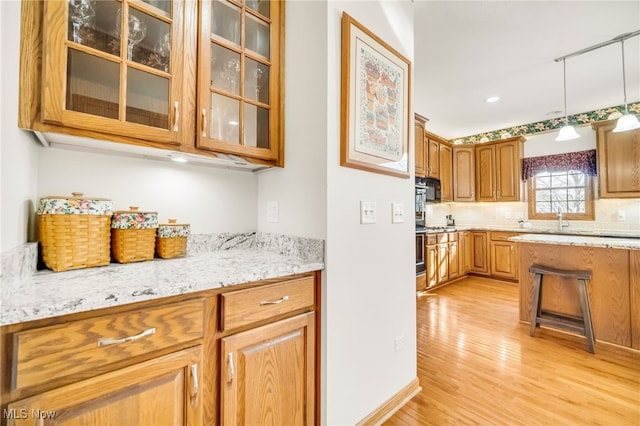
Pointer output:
x,y
179,157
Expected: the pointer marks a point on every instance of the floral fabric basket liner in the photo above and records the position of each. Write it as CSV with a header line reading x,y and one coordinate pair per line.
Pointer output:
x,y
173,229
77,204
134,219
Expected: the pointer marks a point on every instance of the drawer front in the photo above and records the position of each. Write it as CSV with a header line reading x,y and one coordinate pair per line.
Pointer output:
x,y
91,345
502,236
244,307
442,238
453,236
431,239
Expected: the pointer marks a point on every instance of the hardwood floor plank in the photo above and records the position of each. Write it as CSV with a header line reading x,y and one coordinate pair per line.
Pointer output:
x,y
477,364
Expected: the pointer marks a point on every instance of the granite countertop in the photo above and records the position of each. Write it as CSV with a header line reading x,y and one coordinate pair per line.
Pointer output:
x,y
566,231
579,240
48,294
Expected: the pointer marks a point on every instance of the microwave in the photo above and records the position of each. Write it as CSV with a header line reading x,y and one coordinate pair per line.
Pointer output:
x,y
427,191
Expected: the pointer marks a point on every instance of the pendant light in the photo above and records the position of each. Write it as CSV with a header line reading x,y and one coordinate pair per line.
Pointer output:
x,y
567,132
627,121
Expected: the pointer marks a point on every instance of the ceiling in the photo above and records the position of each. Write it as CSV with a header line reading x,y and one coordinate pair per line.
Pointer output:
x,y
466,51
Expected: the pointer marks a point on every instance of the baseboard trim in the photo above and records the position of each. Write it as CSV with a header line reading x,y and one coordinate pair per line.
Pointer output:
x,y
393,404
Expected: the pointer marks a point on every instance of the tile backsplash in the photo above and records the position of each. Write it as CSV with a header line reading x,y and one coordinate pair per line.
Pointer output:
x,y
608,213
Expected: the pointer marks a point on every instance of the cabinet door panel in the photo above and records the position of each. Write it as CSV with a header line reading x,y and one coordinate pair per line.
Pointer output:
x,y
117,70
507,171
503,259
162,391
454,267
464,173
485,173
443,262
419,151
618,163
268,374
480,264
433,159
446,176
432,265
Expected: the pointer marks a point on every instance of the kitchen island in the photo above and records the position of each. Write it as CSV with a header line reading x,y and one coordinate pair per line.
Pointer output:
x,y
614,290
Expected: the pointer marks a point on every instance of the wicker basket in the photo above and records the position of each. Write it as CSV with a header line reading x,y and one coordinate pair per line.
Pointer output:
x,y
74,231
171,240
133,235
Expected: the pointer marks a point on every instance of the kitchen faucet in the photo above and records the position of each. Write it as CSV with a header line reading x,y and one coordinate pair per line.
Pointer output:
x,y
561,223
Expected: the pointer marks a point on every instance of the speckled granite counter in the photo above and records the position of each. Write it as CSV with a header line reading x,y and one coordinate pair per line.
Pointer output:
x,y
212,262
630,233
573,240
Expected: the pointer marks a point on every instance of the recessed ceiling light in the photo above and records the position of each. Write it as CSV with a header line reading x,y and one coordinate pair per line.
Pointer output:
x,y
491,99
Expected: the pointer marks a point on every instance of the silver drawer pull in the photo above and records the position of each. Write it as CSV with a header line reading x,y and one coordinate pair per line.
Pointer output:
x,y
107,342
274,302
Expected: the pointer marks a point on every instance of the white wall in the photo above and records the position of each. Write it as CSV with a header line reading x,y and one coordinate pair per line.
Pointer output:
x,y
300,188
18,150
370,279
211,200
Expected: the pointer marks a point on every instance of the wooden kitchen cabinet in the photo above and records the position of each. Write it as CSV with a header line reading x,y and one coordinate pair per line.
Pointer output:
x,y
240,64
268,372
465,252
431,261
446,175
499,170
132,71
433,156
420,146
503,255
131,367
165,361
480,249
164,390
464,173
112,67
453,253
618,161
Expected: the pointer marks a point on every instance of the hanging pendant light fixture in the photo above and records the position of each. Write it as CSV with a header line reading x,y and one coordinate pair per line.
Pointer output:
x,y
627,121
567,132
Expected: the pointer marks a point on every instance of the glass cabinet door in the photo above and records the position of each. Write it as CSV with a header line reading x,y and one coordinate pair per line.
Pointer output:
x,y
239,66
113,68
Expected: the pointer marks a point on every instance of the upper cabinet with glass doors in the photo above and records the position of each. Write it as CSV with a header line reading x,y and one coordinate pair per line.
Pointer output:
x,y
114,66
240,101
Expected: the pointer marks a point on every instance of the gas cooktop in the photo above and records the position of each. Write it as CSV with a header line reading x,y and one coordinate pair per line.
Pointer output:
x,y
435,228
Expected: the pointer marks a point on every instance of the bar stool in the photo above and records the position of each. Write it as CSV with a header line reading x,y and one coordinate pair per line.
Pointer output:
x,y
580,325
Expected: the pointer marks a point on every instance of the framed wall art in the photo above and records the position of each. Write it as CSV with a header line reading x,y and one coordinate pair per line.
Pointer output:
x,y
375,82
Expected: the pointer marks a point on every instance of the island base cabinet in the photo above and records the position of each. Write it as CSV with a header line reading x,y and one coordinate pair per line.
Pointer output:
x,y
268,374
162,391
610,289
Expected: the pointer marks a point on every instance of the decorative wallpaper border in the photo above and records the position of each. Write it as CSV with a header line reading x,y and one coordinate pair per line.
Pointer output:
x,y
581,119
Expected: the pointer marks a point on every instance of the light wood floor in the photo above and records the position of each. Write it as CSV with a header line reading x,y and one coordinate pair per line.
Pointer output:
x,y
478,365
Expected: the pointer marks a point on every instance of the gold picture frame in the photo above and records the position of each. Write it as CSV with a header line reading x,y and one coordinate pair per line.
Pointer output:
x,y
375,103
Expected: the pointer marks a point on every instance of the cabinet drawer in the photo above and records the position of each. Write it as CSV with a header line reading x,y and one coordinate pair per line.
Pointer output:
x,y
91,345
431,239
442,238
244,307
453,236
502,236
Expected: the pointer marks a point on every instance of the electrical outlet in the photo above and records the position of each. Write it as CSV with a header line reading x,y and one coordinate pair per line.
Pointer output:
x,y
397,213
367,212
272,211
398,343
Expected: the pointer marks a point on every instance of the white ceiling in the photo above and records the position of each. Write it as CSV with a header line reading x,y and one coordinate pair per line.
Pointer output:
x,y
466,51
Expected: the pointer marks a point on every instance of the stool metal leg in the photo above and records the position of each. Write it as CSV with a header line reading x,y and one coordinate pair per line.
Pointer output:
x,y
535,304
586,315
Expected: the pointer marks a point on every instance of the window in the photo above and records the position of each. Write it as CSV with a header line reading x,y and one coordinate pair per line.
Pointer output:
x,y
570,192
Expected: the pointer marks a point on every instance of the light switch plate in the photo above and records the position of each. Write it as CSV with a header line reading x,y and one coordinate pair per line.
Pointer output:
x,y
367,212
397,213
272,211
